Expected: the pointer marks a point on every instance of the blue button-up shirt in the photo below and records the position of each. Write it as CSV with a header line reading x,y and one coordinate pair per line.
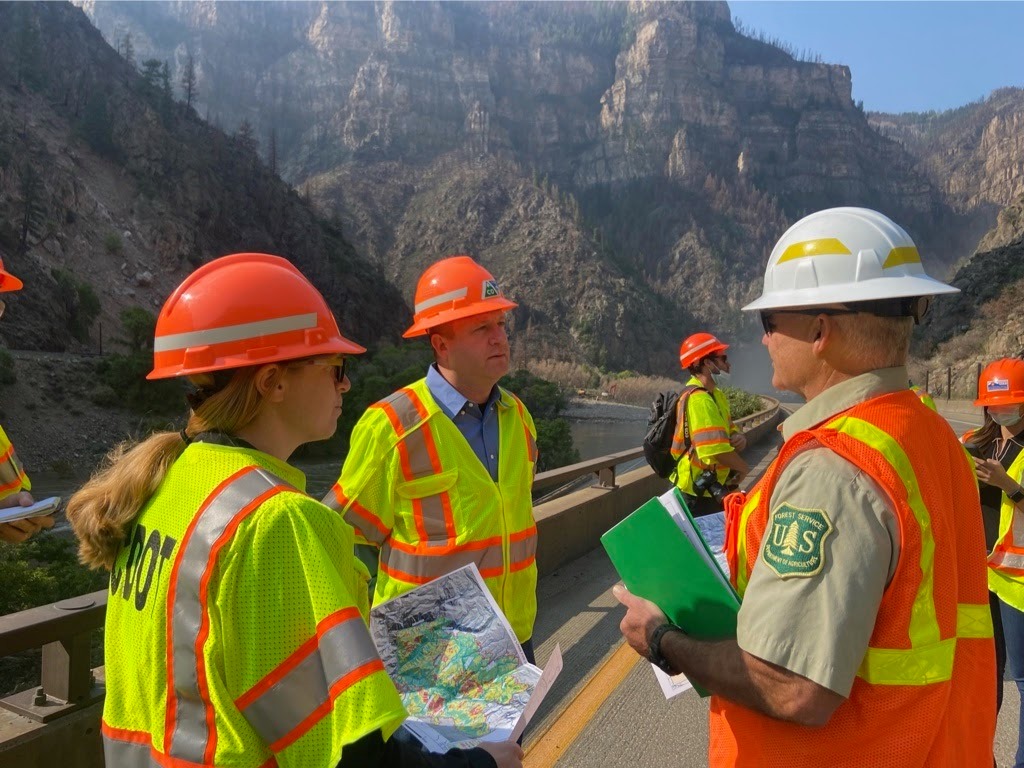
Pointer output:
x,y
478,426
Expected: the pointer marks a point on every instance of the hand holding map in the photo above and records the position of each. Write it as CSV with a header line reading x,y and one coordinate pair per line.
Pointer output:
x,y
457,664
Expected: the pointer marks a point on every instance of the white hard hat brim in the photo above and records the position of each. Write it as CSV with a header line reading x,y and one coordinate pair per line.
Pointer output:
x,y
874,290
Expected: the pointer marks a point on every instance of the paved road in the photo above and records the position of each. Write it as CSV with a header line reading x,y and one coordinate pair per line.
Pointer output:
x,y
636,726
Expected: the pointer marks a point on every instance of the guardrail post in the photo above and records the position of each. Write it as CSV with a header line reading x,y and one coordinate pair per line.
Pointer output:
x,y
67,673
67,682
606,478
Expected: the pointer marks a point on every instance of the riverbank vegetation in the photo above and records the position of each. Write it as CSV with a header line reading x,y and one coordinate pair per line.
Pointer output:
x,y
629,387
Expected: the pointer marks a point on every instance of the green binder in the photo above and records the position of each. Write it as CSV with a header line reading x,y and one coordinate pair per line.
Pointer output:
x,y
658,561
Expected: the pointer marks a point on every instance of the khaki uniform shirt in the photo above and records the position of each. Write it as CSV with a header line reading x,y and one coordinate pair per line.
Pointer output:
x,y
819,625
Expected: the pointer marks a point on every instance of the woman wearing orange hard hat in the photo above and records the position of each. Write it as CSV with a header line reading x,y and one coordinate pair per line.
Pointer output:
x,y
14,483
236,623
998,451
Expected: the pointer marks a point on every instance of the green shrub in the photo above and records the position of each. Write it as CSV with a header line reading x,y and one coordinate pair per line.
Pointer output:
x,y
114,244
80,302
554,442
124,375
742,403
544,399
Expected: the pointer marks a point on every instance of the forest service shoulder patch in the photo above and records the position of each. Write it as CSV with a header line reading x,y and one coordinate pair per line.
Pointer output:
x,y
794,544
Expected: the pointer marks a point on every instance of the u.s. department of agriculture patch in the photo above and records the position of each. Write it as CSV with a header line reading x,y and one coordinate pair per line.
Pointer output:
x,y
794,544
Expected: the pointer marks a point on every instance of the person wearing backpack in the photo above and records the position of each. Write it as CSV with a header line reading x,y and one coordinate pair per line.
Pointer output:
x,y
706,444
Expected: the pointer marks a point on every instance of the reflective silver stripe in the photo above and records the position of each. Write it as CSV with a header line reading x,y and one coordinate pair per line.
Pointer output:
x,y
1018,528
520,551
291,700
355,515
1003,559
428,566
331,500
420,462
708,436
234,332
434,525
699,347
190,736
444,298
125,754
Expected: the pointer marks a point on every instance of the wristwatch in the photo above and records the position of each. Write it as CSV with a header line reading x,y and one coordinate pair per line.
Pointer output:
x,y
654,648
1017,496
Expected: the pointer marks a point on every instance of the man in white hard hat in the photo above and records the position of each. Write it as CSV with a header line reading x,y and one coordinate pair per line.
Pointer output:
x,y
864,636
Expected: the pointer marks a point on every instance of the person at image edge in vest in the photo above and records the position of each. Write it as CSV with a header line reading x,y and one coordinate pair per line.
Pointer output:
x,y
706,444
439,474
14,483
236,621
864,635
999,462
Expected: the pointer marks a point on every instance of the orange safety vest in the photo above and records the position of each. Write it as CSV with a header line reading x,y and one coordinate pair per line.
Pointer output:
x,y
925,693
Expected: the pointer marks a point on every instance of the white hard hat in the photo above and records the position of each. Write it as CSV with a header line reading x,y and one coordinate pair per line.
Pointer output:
x,y
844,255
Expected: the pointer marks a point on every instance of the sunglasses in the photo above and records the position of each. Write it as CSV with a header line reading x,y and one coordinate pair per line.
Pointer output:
x,y
768,322
337,363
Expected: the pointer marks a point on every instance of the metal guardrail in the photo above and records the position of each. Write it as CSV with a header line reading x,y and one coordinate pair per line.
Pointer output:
x,y
65,630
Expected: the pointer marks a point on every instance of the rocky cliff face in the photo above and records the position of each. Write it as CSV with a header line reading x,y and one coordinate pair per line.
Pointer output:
x,y
975,154
644,124
110,193
983,322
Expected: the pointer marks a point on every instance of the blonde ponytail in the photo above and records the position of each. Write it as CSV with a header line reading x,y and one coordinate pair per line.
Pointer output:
x,y
104,509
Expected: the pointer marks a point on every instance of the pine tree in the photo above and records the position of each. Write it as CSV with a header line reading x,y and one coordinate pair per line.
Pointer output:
x,y
272,150
792,541
188,81
129,50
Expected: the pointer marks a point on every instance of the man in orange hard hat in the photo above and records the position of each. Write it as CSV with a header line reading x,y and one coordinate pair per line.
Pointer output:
x,y
14,483
706,443
438,475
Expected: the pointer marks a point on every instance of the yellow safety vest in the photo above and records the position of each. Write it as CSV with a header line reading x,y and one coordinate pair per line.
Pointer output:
x,y
12,474
234,630
413,487
710,425
1006,562
924,397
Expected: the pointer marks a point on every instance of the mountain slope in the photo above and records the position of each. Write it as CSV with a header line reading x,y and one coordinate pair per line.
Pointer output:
x,y
110,193
680,146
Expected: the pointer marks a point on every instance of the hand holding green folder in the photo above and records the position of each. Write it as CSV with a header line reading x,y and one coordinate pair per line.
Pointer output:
x,y
661,556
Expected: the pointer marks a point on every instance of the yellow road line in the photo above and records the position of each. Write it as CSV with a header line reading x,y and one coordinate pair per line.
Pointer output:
x,y
547,748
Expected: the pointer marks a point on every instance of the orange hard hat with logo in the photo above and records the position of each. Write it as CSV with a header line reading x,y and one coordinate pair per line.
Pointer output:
x,y
451,289
241,310
8,282
1001,383
698,346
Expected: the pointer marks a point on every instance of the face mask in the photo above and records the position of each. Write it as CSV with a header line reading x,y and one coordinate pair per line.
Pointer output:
x,y
720,377
1005,418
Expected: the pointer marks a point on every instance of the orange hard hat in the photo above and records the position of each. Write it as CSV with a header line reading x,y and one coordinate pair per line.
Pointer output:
x,y
1001,383
698,346
451,289
240,310
8,282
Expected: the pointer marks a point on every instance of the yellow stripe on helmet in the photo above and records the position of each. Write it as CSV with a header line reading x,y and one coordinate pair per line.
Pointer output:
x,y
823,246
903,254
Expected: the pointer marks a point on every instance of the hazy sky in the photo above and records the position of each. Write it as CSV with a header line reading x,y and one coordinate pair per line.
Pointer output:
x,y
904,56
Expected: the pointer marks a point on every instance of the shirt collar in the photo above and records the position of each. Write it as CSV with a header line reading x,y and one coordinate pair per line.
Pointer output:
x,y
451,400
845,395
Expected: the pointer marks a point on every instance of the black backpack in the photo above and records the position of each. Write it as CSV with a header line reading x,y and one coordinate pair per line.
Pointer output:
x,y
661,428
